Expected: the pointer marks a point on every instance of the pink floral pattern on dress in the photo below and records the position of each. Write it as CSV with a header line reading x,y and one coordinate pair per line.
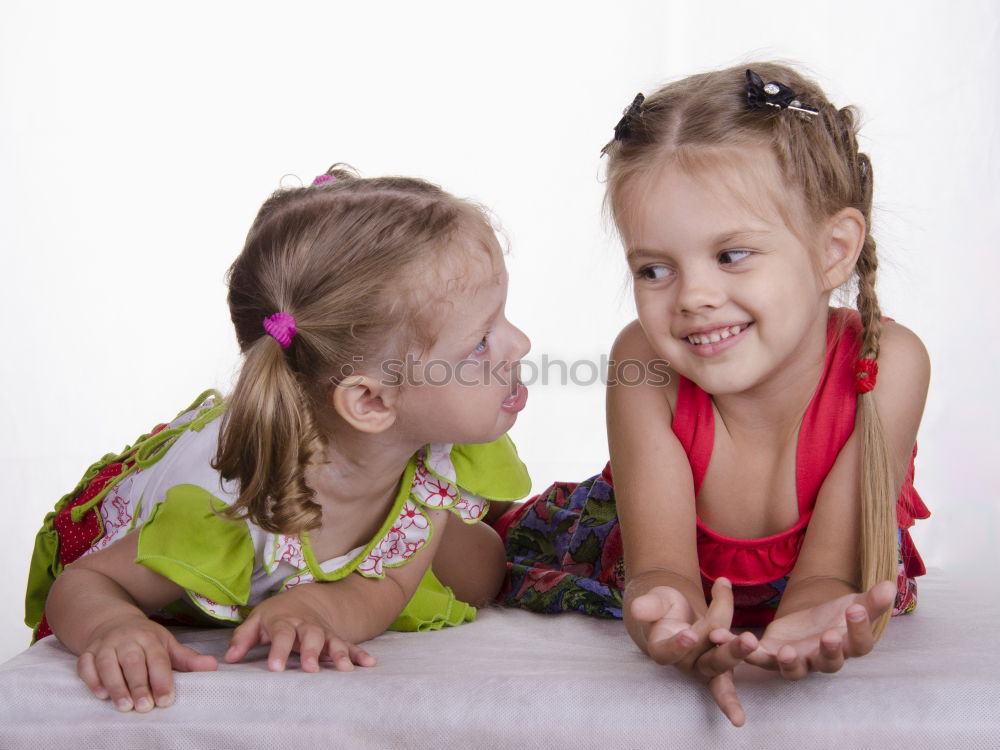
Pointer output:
x,y
470,507
408,534
411,515
438,494
432,488
116,515
288,549
371,566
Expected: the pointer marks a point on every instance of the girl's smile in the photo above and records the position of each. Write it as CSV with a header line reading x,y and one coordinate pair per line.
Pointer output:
x,y
711,340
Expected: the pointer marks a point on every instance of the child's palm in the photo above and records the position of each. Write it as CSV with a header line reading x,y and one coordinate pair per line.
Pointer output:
x,y
821,638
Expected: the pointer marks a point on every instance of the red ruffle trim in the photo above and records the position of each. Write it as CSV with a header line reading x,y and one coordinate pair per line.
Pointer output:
x,y
747,562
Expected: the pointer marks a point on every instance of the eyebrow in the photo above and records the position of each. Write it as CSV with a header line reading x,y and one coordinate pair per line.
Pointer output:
x,y
729,237
481,322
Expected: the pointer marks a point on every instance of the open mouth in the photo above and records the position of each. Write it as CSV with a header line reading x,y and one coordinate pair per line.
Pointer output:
x,y
717,335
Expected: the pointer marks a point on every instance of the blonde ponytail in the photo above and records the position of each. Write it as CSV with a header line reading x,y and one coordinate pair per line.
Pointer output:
x,y
271,437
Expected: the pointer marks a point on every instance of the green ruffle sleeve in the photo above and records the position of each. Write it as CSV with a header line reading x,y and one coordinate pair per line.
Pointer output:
x,y
188,542
491,470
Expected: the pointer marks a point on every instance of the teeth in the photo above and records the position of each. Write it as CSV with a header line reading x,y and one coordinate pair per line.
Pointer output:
x,y
714,336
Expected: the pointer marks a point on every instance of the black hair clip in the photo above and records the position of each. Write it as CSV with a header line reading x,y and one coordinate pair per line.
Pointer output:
x,y
774,94
634,110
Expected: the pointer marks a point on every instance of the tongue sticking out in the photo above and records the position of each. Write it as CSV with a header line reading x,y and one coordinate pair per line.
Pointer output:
x,y
516,401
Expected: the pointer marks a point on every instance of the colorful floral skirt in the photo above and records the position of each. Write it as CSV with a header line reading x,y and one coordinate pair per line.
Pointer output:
x,y
564,554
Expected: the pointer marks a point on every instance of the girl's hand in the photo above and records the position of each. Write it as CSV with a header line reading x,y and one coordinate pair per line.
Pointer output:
x,y
131,662
291,624
701,647
821,638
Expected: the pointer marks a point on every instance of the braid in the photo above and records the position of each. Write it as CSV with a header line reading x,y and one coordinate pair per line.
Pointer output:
x,y
878,500
867,300
867,267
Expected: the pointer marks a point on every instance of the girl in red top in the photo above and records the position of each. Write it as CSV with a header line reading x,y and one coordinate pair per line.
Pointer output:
x,y
761,440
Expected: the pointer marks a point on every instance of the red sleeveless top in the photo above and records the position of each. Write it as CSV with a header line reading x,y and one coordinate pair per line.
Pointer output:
x,y
826,427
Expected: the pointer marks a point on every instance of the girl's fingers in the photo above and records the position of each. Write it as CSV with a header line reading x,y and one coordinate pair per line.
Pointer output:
x,y
763,659
790,664
720,636
87,671
723,658
109,672
720,611
673,649
311,643
161,678
247,635
338,653
831,652
723,691
359,656
879,598
133,660
186,659
859,640
282,643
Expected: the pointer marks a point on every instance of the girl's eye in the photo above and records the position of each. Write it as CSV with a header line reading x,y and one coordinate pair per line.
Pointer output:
x,y
728,257
481,346
653,273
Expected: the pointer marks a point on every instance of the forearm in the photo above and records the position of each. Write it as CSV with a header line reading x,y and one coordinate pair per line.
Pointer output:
x,y
643,582
356,608
81,602
810,592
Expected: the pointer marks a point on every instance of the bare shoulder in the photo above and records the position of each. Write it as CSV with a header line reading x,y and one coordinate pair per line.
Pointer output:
x,y
904,369
636,367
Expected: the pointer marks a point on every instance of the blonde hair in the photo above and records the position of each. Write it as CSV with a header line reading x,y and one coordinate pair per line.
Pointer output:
x,y
818,156
340,257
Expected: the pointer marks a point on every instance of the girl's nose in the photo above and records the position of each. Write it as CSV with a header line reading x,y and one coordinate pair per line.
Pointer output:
x,y
522,344
699,288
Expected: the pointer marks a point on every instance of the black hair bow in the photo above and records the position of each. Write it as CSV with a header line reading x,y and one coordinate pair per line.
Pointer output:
x,y
632,112
773,94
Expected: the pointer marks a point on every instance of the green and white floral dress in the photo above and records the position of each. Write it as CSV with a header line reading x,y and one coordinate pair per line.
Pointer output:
x,y
165,486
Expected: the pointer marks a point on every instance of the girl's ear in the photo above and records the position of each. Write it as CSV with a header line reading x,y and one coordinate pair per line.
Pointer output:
x,y
845,236
365,403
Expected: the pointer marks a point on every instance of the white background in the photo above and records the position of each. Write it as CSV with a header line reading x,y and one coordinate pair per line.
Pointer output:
x,y
137,142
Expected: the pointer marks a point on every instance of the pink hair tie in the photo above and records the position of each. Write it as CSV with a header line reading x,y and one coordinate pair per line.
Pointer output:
x,y
323,178
866,371
282,327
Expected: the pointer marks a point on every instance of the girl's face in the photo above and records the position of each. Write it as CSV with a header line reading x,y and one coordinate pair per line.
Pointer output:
x,y
725,291
465,388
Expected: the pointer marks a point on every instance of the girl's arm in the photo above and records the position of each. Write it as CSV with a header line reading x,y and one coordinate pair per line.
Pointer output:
x,y
324,620
664,609
832,619
97,608
654,491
